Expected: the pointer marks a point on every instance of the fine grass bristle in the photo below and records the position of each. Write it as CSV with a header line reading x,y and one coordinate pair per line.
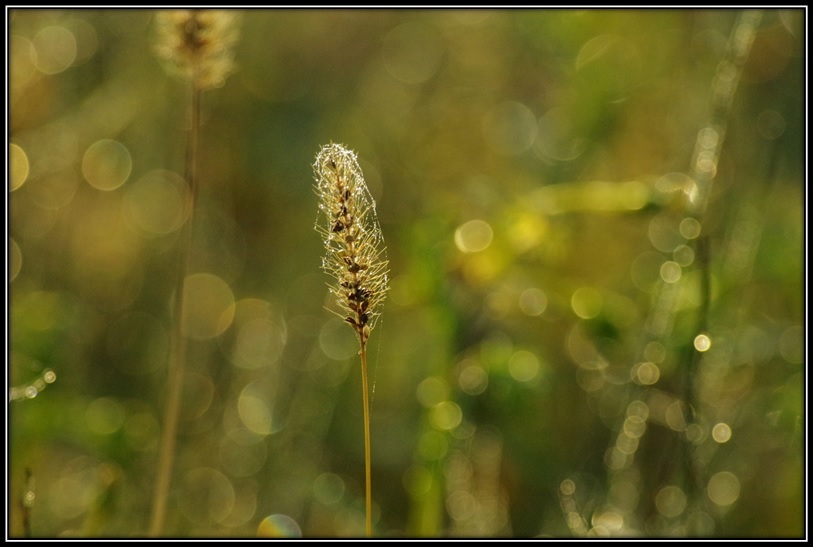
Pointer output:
x,y
352,236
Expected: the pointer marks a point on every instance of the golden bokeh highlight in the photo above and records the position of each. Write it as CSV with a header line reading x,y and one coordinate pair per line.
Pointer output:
x,y
336,341
646,373
18,166
432,391
206,495
655,351
54,190
723,488
252,406
473,378
675,416
670,501
567,487
329,488
106,164
524,366
105,416
259,343
208,306
158,203
671,271
557,137
71,493
702,342
510,127
86,37
412,52
683,255
721,432
22,62
689,228
15,259
446,415
587,302
473,236
526,231
533,301
634,426
261,333
56,49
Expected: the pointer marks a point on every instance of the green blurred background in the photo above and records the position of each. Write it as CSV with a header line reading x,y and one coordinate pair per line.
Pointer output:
x,y
531,170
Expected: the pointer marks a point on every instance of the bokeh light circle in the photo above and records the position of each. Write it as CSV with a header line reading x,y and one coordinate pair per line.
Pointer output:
x,y
723,488
702,342
510,127
587,302
206,495
473,236
18,166
279,526
15,259
337,341
106,164
721,432
208,306
670,501
412,52
158,203
56,49
446,415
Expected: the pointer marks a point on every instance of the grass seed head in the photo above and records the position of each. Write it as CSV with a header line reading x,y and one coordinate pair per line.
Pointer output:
x,y
354,245
197,44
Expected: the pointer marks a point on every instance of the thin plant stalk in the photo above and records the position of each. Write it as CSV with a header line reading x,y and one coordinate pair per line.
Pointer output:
x,y
196,46
179,342
367,457
355,259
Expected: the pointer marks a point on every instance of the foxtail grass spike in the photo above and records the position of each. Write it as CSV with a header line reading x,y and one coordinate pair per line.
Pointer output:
x,y
354,258
354,245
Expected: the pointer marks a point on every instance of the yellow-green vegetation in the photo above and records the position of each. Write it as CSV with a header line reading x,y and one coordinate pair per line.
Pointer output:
x,y
594,267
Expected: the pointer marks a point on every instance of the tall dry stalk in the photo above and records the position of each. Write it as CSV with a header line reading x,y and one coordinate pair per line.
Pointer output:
x,y
197,45
355,259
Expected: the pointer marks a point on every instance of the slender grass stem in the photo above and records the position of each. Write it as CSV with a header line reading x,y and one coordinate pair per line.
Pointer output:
x,y
196,45
367,457
179,342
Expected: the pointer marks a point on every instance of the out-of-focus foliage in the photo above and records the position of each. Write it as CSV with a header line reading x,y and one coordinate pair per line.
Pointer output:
x,y
546,322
